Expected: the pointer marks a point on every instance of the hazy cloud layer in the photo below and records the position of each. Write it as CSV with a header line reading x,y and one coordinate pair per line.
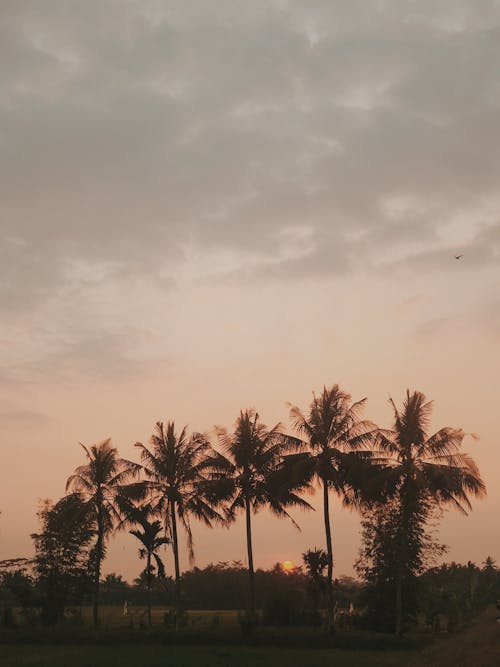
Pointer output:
x,y
146,144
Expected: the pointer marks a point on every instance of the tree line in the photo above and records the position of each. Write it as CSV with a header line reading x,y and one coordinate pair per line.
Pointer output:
x,y
398,477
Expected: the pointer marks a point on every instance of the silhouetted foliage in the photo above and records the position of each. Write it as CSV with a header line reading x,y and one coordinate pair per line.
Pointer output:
x,y
379,560
100,483
249,475
422,473
337,458
148,534
316,562
62,556
17,590
174,467
457,592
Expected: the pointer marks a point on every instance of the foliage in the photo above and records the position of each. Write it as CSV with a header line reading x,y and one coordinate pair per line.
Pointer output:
x,y
336,457
379,559
62,555
457,592
173,468
420,473
250,474
100,482
17,589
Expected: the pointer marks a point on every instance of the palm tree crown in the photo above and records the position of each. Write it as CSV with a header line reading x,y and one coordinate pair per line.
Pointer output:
x,y
99,483
173,467
250,474
420,463
337,457
422,470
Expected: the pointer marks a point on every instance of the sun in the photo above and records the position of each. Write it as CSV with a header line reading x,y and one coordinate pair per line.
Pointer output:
x,y
288,566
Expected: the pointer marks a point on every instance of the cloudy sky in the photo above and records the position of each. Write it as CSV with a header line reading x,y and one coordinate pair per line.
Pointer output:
x,y
208,206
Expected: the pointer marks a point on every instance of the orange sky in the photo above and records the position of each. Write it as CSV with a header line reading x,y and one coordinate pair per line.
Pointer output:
x,y
204,211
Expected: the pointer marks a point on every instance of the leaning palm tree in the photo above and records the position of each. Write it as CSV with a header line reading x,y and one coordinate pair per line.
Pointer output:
x,y
249,475
173,467
423,468
99,483
149,536
336,437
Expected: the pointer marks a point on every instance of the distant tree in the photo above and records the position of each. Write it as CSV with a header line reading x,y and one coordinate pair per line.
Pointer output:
x,y
337,457
249,476
316,562
62,552
17,589
173,467
490,580
114,589
99,483
456,591
148,534
422,472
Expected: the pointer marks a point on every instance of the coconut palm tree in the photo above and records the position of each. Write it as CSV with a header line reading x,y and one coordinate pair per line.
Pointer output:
x,y
423,468
249,475
173,467
99,483
337,457
149,536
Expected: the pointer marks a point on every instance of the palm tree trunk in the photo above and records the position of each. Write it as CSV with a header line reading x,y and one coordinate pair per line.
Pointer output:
x,y
403,527
97,572
399,602
175,548
329,551
148,565
251,573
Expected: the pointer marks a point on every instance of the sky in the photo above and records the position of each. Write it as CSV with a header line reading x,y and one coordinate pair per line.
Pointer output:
x,y
209,206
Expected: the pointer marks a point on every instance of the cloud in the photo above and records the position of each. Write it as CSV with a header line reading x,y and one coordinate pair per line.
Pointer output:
x,y
166,143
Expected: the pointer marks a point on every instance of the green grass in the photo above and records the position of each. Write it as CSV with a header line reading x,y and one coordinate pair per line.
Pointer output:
x,y
207,644
164,656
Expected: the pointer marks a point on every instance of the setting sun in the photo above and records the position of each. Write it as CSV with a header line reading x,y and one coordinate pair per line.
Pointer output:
x,y
288,566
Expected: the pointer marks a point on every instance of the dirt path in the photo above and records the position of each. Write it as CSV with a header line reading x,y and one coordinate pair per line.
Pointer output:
x,y
478,646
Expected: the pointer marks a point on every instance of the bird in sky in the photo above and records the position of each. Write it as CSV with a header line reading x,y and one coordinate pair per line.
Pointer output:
x,y
458,256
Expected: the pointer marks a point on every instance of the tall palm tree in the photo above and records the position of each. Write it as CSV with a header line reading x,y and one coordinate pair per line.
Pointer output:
x,y
423,467
249,475
149,536
335,435
173,467
99,483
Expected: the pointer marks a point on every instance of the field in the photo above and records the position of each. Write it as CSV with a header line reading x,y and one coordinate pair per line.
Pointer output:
x,y
156,655
477,646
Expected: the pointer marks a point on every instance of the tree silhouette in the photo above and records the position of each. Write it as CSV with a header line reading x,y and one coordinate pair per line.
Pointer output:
x,y
62,555
249,475
316,562
99,483
173,467
149,536
335,436
423,468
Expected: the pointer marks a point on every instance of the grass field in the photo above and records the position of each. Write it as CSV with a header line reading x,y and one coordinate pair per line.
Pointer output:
x,y
156,655
477,646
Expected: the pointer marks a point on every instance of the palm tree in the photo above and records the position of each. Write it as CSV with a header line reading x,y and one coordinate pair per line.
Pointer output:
x,y
149,536
173,468
423,468
249,475
316,562
334,434
99,484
